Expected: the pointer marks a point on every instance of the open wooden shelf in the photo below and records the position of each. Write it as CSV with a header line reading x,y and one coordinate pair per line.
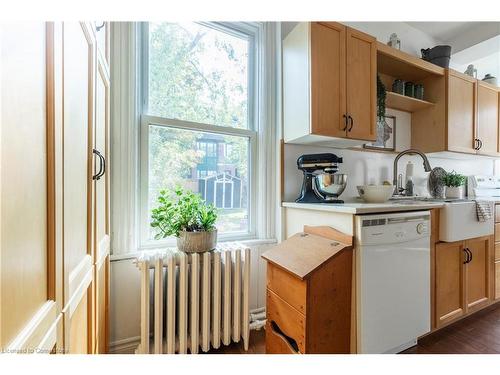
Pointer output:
x,y
405,103
398,64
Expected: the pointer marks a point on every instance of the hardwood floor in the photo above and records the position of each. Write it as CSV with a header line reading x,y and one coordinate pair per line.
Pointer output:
x,y
257,345
476,334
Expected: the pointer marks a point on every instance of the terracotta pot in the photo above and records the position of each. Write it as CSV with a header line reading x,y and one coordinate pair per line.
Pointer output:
x,y
197,242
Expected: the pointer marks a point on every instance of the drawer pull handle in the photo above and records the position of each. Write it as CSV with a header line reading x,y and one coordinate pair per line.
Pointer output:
x,y
291,342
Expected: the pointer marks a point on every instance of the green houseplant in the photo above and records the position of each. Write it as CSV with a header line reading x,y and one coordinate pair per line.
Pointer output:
x,y
185,215
454,183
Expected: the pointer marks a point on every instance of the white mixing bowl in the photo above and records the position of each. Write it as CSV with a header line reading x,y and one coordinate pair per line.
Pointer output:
x,y
375,193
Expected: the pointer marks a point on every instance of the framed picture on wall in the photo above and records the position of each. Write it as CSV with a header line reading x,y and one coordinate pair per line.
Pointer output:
x,y
386,135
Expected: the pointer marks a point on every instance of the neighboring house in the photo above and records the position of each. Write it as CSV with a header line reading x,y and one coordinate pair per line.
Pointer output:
x,y
217,178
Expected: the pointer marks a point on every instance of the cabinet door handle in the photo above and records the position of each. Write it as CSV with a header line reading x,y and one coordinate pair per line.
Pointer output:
x,y
475,143
98,175
103,159
480,144
467,255
345,122
99,27
352,122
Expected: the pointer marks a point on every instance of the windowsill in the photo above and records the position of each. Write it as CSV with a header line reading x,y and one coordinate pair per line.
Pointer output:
x,y
135,254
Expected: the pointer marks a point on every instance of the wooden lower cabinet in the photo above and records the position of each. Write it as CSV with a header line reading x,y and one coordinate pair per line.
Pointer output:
x,y
462,278
309,283
478,272
497,280
496,267
449,287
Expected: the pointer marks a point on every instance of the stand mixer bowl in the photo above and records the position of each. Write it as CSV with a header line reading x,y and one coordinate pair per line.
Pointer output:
x,y
330,185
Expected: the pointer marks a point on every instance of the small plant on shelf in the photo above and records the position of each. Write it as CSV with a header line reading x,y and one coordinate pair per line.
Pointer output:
x,y
381,95
185,215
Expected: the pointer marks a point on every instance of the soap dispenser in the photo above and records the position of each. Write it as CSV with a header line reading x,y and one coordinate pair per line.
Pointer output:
x,y
409,179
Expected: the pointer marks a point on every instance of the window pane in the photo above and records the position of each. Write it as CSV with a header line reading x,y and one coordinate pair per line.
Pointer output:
x,y
196,161
198,74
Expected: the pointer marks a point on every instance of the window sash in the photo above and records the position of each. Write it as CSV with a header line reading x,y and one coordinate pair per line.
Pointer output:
x,y
239,29
146,122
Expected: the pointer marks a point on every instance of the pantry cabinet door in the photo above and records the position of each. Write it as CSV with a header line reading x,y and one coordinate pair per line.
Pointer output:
x,y
78,107
478,272
28,310
361,84
461,112
487,119
449,279
328,79
101,207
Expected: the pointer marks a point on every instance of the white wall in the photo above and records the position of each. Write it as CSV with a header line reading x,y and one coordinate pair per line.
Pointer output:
x,y
412,39
485,57
364,167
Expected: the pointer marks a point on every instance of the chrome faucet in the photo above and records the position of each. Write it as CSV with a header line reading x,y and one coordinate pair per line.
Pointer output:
x,y
427,167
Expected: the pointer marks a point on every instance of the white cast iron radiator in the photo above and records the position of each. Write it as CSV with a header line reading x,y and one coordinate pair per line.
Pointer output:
x,y
199,300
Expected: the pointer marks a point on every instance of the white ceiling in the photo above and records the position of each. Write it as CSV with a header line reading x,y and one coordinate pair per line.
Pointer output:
x,y
444,31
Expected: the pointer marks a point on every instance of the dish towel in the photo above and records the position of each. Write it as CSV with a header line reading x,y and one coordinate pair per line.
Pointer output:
x,y
483,210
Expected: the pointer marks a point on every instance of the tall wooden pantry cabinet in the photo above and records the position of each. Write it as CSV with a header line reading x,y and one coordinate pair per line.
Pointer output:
x,y
55,187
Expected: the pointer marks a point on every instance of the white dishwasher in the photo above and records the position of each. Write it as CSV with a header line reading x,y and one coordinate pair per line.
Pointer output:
x,y
392,280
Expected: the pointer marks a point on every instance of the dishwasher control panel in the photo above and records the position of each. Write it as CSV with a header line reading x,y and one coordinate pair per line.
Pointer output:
x,y
392,228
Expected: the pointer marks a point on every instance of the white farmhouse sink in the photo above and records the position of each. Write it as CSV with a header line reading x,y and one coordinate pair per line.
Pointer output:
x,y
458,221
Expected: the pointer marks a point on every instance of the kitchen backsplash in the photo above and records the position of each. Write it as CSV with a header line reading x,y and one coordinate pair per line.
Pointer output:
x,y
364,167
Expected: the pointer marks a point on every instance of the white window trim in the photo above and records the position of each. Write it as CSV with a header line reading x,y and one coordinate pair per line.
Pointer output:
x,y
146,122
126,124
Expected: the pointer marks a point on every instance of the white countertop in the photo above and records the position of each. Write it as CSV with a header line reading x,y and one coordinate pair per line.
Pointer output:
x,y
355,207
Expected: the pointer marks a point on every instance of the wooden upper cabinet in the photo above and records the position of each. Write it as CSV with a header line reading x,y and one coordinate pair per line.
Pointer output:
x,y
461,112
449,293
361,84
328,79
487,119
478,272
329,85
467,121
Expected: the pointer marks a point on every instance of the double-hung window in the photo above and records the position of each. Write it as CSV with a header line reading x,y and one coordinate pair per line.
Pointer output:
x,y
198,127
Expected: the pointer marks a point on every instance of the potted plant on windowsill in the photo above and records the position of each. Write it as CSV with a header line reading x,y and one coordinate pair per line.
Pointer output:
x,y
454,183
185,215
